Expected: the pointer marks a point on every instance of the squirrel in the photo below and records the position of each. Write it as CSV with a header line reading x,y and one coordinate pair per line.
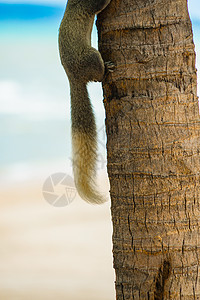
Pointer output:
x,y
82,64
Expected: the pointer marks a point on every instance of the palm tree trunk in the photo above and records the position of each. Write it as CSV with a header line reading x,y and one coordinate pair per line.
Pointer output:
x,y
153,139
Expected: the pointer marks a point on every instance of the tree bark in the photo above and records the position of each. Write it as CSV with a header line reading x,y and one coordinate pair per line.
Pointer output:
x,y
153,153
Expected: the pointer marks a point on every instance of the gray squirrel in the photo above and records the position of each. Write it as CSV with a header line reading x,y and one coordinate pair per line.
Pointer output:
x,y
82,64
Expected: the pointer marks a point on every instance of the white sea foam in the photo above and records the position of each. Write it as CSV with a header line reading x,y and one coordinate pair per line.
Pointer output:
x,y
17,99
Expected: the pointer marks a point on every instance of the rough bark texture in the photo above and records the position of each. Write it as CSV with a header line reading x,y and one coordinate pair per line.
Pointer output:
x,y
153,139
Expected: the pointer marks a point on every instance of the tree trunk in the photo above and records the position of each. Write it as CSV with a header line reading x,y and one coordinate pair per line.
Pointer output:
x,y
153,137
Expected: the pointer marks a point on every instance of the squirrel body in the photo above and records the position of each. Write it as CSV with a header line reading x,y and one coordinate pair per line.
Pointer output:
x,y
82,64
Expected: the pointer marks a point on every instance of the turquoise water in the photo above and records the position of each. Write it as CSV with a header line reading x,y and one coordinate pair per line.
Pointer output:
x,y
27,12
20,21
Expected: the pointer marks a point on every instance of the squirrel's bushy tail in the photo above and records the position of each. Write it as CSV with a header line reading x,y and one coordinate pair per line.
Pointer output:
x,y
84,144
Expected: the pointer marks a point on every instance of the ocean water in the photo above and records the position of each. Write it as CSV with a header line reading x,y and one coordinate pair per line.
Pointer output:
x,y
34,91
27,12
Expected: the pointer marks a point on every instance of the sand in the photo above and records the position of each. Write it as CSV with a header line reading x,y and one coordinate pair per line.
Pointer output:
x,y
48,252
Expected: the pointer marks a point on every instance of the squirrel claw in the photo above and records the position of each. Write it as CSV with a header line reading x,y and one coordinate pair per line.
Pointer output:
x,y
109,66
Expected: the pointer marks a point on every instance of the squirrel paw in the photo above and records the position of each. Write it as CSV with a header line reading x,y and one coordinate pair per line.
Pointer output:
x,y
109,66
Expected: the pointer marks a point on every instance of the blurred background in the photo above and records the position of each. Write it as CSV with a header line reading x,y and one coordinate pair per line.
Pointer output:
x,y
48,250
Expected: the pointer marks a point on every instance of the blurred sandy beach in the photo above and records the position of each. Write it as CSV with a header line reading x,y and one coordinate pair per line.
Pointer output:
x,y
53,253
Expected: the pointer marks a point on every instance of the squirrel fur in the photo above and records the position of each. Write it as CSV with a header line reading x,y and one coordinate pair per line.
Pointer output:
x,y
82,64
